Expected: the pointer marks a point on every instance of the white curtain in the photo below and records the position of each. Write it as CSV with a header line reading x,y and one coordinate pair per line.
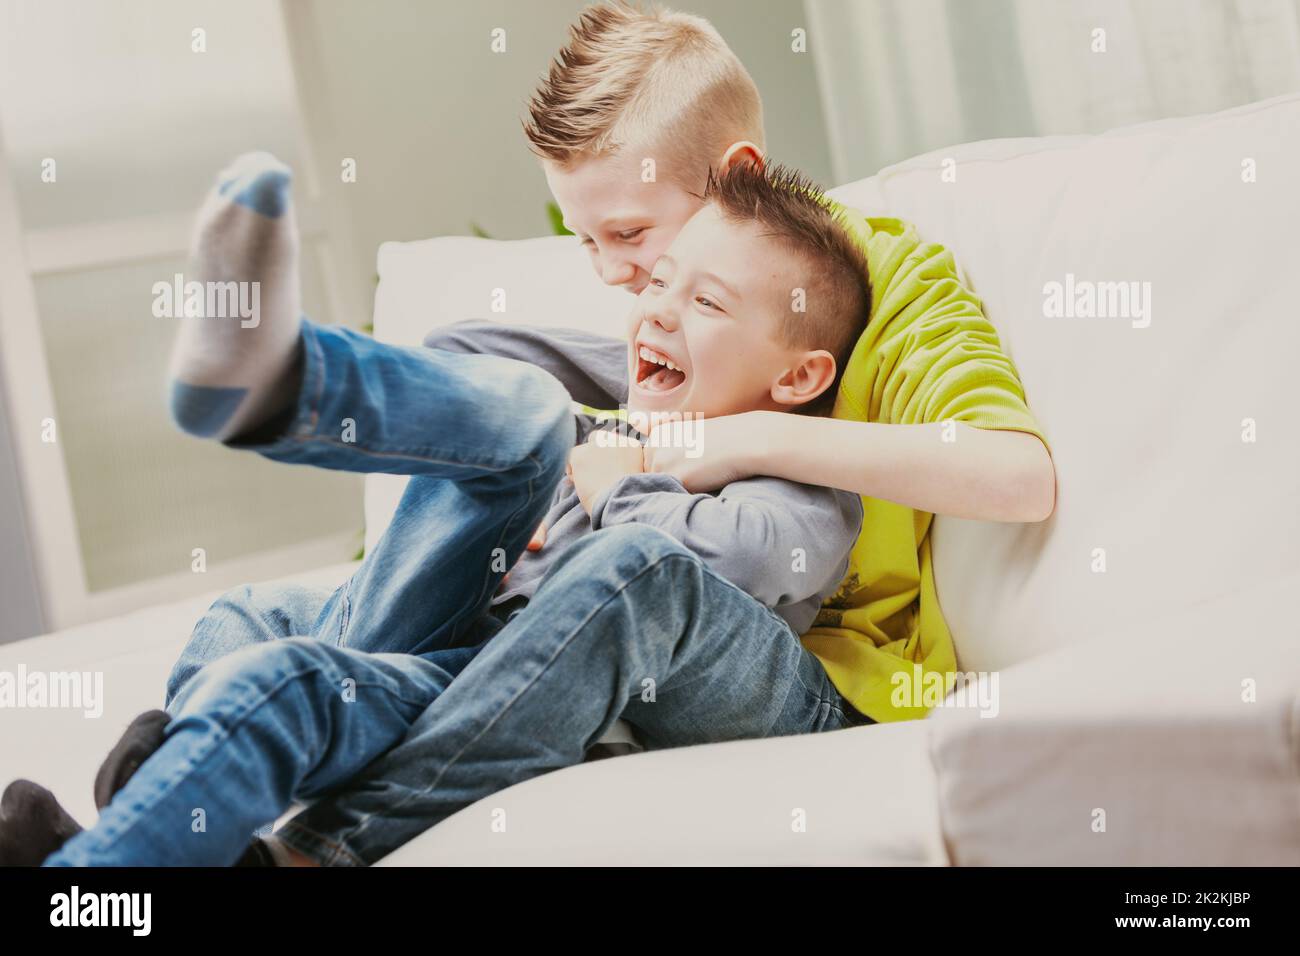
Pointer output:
x,y
902,77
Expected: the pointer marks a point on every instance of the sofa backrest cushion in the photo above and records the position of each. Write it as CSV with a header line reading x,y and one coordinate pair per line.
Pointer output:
x,y
544,282
1141,280
1176,452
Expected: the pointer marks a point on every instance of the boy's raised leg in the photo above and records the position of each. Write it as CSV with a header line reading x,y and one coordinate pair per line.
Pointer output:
x,y
303,393
484,438
485,441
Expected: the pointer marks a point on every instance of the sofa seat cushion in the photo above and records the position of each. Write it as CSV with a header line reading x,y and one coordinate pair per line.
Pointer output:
x,y
857,797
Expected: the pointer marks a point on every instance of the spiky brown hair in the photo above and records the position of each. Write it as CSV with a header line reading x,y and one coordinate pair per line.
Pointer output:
x,y
791,209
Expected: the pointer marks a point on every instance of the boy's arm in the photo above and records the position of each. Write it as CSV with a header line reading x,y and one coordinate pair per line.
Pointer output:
x,y
939,420
591,367
966,472
779,541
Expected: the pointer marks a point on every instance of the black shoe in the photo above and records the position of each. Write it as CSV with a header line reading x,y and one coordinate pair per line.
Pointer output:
x,y
32,824
141,739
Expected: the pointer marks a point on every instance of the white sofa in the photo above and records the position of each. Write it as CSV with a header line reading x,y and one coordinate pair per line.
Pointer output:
x,y
1143,641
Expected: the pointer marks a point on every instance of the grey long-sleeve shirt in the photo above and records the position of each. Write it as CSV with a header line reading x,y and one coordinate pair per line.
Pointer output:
x,y
784,543
593,368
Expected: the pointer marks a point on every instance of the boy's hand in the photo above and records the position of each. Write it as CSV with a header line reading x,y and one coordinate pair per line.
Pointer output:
x,y
538,540
599,464
734,444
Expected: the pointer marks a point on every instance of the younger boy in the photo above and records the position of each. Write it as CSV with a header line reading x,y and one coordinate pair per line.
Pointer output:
x,y
711,334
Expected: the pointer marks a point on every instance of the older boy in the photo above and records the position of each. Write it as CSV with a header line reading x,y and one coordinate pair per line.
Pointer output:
x,y
930,417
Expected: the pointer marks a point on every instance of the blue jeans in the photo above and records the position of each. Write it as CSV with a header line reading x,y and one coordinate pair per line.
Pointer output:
x,y
629,623
484,440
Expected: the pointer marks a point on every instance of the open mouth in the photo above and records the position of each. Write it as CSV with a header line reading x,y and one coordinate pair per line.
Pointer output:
x,y
656,372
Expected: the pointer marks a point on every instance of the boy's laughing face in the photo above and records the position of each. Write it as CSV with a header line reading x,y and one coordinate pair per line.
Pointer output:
x,y
624,224
704,335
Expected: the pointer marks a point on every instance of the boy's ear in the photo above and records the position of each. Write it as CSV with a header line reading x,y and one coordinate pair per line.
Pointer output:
x,y
802,383
741,152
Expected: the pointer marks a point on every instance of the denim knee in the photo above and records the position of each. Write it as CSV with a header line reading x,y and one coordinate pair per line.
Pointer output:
x,y
618,579
628,549
255,670
182,673
546,414
208,641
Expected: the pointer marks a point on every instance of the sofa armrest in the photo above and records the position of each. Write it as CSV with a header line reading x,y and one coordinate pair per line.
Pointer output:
x,y
1180,747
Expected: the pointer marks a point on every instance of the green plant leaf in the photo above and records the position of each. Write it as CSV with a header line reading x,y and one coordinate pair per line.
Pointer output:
x,y
557,220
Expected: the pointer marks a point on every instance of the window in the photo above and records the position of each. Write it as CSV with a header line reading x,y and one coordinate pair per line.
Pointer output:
x,y
115,119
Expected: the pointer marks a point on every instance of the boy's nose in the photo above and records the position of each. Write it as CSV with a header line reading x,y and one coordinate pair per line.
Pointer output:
x,y
613,272
665,318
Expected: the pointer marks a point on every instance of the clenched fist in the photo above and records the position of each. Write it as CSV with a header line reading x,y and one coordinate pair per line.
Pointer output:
x,y
601,462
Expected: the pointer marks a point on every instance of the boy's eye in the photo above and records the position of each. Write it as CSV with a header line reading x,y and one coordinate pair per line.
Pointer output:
x,y
708,303
628,235
657,282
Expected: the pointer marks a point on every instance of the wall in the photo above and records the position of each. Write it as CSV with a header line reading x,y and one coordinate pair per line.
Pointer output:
x,y
20,614
432,116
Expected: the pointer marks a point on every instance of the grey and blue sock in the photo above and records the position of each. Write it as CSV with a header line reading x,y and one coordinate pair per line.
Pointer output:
x,y
230,372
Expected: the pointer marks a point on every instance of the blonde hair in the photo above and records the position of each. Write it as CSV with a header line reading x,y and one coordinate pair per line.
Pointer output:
x,y
653,79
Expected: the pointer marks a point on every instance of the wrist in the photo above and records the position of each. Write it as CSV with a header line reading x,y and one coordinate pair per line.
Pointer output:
x,y
754,441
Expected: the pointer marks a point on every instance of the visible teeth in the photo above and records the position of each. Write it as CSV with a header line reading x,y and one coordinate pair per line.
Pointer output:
x,y
651,356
